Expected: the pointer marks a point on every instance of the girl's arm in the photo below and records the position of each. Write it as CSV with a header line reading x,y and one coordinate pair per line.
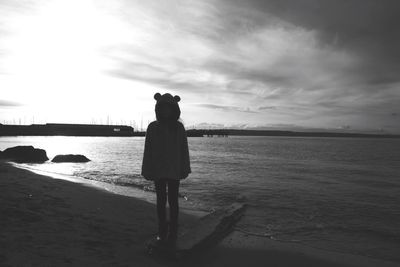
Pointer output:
x,y
185,156
146,164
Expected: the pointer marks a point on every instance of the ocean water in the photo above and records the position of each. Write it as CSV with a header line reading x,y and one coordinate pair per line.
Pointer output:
x,y
339,194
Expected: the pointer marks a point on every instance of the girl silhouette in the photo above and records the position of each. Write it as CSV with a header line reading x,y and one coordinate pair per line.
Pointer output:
x,y
166,162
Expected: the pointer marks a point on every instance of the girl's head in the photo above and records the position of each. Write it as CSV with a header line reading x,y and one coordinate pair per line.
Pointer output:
x,y
167,108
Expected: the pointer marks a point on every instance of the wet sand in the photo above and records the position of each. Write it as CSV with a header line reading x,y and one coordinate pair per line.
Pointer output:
x,y
52,222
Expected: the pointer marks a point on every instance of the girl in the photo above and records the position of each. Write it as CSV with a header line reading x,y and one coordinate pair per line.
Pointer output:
x,y
166,162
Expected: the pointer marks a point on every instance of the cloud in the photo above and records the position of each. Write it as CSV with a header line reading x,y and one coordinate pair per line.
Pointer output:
x,y
240,45
188,79
207,125
9,104
224,107
267,108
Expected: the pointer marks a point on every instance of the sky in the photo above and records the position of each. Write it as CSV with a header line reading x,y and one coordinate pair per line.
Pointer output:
x,y
255,64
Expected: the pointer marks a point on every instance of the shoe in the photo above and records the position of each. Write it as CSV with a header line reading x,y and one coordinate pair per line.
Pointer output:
x,y
161,241
162,231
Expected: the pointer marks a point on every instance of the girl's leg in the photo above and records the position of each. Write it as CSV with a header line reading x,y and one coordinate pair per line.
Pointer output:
x,y
173,193
161,193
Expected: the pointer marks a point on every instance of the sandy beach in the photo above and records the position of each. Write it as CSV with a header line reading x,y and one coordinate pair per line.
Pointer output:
x,y
52,222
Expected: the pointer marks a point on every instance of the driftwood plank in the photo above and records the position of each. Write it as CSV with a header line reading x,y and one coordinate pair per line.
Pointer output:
x,y
210,229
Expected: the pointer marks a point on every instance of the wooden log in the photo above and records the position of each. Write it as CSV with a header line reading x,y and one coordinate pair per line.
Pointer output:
x,y
210,229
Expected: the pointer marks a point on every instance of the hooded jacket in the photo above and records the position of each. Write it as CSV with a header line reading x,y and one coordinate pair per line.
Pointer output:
x,y
166,150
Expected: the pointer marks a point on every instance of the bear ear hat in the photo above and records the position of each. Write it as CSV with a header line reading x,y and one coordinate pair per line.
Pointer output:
x,y
177,98
157,96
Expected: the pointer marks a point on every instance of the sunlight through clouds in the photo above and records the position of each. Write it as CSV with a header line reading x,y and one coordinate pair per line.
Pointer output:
x,y
55,61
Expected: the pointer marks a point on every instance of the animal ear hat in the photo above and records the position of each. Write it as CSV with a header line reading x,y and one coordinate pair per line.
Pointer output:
x,y
167,98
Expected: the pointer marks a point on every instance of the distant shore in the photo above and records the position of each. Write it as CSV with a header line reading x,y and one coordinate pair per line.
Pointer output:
x,y
56,129
53,222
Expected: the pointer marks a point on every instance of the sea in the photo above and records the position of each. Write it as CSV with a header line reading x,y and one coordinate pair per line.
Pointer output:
x,y
337,194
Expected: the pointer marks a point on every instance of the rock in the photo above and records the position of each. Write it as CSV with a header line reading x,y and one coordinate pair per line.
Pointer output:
x,y
25,154
70,158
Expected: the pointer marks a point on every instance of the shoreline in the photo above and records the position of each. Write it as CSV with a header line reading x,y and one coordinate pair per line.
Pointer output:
x,y
48,221
134,192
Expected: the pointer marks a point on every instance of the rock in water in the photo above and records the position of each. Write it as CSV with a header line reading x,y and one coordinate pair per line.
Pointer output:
x,y
25,154
70,158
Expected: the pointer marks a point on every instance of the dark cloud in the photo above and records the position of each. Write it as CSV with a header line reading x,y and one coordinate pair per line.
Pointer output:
x,y
340,22
367,28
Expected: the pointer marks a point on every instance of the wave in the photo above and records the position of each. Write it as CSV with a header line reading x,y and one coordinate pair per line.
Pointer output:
x,y
130,180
